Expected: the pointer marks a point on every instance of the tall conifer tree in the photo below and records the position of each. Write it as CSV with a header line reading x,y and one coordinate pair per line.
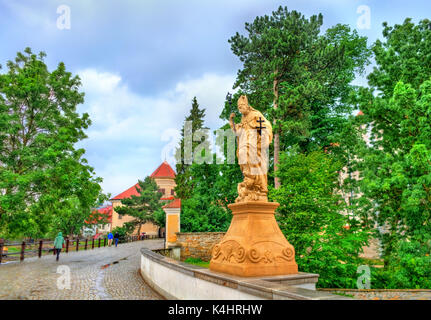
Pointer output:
x,y
298,76
183,178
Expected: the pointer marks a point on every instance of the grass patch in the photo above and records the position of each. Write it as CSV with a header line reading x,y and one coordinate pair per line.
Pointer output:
x,y
198,262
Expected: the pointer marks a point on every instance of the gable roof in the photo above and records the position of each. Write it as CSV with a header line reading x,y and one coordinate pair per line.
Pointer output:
x,y
167,198
164,171
174,204
128,193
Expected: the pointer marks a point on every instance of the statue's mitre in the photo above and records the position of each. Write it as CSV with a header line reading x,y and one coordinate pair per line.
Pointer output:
x,y
243,98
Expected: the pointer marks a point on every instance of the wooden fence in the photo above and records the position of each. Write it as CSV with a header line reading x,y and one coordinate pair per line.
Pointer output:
x,y
39,247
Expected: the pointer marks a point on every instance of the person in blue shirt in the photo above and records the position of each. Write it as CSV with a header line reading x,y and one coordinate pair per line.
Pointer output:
x,y
110,237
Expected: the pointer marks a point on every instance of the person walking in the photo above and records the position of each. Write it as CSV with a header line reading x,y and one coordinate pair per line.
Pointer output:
x,y
116,237
58,244
110,237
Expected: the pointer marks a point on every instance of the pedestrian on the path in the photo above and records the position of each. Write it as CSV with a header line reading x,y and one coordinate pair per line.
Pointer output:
x,y
58,244
110,237
116,237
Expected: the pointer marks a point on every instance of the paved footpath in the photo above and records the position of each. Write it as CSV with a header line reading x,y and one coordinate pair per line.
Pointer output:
x,y
99,274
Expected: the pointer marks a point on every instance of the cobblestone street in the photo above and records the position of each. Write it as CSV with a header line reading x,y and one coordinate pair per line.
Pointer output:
x,y
99,274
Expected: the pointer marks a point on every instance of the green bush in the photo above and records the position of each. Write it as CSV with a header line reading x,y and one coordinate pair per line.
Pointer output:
x,y
409,267
122,231
310,217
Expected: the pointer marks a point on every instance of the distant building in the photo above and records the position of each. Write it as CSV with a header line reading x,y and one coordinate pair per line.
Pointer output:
x,y
164,176
94,225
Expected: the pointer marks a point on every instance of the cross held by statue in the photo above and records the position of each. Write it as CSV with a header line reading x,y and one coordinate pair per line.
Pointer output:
x,y
259,129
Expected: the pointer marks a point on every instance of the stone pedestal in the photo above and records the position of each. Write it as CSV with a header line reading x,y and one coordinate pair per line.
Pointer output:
x,y
254,244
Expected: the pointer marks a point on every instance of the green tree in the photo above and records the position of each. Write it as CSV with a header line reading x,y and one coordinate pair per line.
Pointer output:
x,y
145,207
311,217
123,232
298,76
73,218
160,217
184,180
206,209
408,267
40,169
214,187
395,166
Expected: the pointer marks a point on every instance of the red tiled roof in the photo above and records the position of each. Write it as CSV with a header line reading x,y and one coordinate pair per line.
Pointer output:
x,y
163,171
128,193
105,211
174,204
132,192
360,113
167,198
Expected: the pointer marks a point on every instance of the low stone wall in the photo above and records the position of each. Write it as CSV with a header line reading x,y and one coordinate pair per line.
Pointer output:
x,y
198,244
174,279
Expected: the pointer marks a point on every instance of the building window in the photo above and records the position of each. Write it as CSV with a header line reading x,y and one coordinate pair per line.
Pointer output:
x,y
120,217
172,192
162,191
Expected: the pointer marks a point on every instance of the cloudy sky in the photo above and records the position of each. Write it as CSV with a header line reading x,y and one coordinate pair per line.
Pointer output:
x,y
142,61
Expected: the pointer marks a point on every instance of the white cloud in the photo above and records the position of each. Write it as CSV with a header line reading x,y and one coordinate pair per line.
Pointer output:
x,y
210,91
127,138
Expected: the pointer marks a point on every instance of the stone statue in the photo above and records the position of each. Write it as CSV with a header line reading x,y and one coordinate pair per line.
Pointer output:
x,y
254,244
254,135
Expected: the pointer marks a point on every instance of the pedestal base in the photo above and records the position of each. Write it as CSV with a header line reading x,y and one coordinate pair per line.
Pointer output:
x,y
254,244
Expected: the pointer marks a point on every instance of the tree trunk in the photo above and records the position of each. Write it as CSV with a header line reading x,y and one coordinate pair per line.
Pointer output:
x,y
276,136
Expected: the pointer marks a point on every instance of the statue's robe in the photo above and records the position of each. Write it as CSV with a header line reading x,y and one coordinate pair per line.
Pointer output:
x,y
252,154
